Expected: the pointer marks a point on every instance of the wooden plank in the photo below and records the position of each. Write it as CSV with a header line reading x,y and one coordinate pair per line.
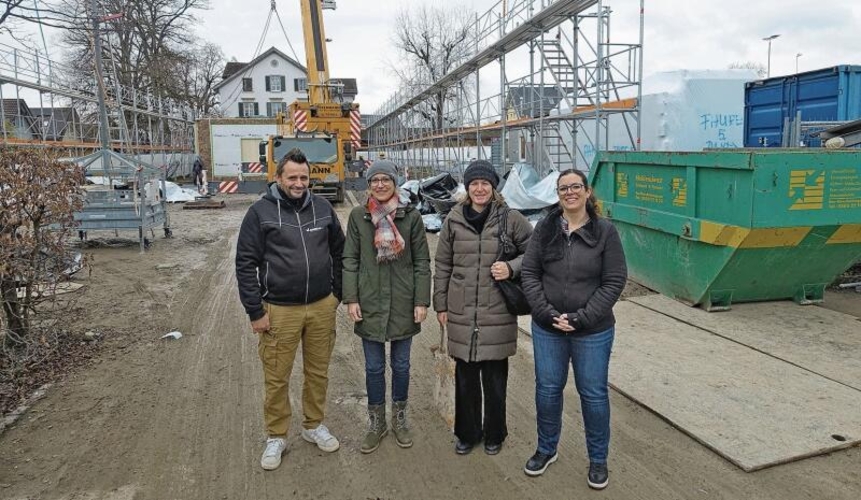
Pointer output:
x,y
203,204
752,409
825,342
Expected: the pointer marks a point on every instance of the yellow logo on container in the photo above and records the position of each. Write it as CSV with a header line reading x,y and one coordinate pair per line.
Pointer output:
x,y
622,185
680,192
806,189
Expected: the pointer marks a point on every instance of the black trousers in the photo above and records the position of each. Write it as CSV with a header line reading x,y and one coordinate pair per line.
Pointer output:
x,y
487,378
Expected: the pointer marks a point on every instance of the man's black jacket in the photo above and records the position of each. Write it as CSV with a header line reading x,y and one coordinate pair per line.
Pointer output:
x,y
288,255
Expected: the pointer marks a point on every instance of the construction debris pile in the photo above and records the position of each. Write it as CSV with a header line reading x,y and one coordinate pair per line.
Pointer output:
x,y
522,189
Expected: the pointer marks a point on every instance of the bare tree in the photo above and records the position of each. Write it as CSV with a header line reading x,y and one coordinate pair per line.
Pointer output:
x,y
196,73
143,43
8,10
434,41
12,12
38,197
759,68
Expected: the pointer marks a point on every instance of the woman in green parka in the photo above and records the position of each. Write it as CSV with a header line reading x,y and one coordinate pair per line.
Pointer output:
x,y
387,292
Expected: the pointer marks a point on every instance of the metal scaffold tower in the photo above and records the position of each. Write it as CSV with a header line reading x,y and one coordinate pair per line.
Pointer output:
x,y
129,141
150,127
543,83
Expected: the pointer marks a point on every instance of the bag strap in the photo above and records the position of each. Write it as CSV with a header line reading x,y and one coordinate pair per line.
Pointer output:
x,y
503,232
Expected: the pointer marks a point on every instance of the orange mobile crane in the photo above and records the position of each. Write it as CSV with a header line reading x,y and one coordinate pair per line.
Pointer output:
x,y
324,127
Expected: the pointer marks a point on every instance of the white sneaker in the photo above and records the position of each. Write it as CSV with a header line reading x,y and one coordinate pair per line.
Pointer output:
x,y
322,438
272,455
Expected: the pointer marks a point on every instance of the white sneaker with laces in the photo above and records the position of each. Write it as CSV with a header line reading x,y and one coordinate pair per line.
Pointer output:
x,y
272,455
322,438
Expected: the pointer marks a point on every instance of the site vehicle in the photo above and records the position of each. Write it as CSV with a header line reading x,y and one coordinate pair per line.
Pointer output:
x,y
326,128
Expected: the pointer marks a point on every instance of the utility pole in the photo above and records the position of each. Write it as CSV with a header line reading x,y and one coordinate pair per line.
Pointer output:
x,y
769,40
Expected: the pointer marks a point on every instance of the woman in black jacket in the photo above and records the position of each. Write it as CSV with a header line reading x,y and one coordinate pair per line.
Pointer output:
x,y
573,273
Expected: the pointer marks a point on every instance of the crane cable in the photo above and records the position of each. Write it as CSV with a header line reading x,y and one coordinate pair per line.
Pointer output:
x,y
284,31
231,99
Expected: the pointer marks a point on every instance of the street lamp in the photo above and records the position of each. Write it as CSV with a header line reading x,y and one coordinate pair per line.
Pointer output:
x,y
769,39
796,61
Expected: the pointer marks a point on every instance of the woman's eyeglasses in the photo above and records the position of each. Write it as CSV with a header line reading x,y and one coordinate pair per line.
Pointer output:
x,y
382,181
574,188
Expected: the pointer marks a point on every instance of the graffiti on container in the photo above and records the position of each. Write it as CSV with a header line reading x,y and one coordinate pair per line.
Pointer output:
x,y
649,188
710,121
722,126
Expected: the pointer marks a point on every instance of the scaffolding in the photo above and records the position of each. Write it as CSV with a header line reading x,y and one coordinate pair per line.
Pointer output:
x,y
129,141
45,103
562,82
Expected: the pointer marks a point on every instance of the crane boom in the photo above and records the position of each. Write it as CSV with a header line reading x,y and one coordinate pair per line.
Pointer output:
x,y
315,51
324,126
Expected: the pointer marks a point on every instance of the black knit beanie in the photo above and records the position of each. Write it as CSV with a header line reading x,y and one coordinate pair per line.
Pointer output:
x,y
480,169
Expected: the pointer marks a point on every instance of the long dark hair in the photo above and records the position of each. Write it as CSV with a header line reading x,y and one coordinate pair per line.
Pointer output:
x,y
592,202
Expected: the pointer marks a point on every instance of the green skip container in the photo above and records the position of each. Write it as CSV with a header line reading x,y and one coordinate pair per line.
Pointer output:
x,y
718,227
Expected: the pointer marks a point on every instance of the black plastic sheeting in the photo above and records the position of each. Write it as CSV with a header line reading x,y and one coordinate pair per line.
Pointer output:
x,y
439,192
434,198
435,195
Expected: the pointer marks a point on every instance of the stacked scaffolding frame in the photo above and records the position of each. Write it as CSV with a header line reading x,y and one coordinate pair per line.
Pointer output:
x,y
572,77
107,128
60,110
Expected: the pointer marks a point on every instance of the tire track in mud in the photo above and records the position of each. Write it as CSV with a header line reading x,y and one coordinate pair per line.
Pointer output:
x,y
182,419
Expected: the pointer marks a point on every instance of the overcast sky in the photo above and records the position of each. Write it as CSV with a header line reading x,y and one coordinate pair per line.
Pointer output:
x,y
703,34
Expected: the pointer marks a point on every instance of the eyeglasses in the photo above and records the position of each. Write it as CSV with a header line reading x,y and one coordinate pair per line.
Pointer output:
x,y
382,181
574,188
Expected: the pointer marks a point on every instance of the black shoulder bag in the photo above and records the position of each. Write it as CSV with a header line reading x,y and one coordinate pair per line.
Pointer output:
x,y
512,291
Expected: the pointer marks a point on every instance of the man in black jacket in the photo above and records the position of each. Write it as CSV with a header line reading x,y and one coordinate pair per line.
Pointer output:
x,y
288,266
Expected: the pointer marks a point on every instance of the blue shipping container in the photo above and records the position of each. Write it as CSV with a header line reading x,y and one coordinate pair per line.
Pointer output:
x,y
830,94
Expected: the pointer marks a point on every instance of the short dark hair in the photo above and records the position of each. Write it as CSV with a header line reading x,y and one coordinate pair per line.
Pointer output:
x,y
295,155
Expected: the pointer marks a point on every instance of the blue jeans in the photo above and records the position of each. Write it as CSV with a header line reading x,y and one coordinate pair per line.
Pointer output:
x,y
375,370
590,357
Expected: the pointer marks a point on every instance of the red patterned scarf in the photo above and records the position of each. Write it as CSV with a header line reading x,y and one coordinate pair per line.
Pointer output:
x,y
387,239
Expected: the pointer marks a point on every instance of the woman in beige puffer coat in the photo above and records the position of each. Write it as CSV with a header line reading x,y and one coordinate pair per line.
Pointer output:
x,y
482,334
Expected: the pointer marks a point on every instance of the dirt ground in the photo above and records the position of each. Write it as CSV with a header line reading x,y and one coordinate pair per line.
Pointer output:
x,y
181,419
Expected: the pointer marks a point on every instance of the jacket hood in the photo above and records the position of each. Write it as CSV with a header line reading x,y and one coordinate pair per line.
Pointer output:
x,y
590,233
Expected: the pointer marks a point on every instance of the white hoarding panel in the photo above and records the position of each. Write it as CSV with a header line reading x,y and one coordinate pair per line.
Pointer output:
x,y
226,141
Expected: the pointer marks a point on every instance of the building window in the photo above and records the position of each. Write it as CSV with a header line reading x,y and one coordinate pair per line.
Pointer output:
x,y
247,85
248,109
273,108
275,83
300,84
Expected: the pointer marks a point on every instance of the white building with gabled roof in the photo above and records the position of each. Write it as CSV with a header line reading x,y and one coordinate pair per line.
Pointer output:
x,y
267,85
262,87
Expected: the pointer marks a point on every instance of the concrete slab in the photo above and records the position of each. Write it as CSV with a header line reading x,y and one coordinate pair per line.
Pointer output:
x,y
524,324
751,408
825,342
